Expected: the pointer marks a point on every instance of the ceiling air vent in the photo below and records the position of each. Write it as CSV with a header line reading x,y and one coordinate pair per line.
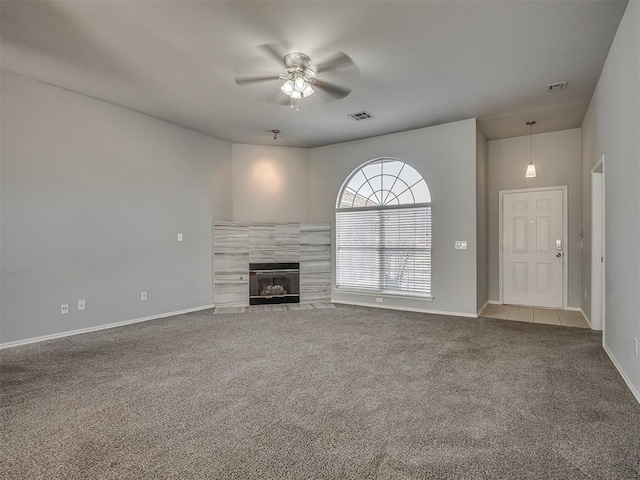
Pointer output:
x,y
363,115
554,87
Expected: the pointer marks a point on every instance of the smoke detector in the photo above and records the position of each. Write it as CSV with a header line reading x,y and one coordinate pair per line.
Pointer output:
x,y
554,87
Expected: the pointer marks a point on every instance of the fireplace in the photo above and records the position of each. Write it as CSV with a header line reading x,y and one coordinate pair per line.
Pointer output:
x,y
274,283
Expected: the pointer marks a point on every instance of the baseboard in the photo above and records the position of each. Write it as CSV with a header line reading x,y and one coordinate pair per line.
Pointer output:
x,y
626,379
406,309
482,308
100,327
494,302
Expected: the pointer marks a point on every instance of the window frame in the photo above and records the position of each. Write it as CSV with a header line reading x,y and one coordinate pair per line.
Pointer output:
x,y
402,206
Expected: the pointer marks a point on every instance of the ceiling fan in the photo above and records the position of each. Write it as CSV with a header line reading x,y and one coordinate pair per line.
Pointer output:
x,y
301,75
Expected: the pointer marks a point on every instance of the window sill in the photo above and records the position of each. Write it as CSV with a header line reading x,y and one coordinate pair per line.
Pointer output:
x,y
413,296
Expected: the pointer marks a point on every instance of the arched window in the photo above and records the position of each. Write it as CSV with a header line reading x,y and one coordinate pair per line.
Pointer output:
x,y
383,230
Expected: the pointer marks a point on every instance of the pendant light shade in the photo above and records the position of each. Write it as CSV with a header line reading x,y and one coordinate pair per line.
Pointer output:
x,y
531,171
531,168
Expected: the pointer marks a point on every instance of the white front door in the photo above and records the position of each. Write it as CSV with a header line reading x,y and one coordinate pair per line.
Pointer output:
x,y
533,248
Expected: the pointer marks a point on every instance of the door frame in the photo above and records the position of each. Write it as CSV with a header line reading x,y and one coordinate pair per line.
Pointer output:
x,y
565,235
597,246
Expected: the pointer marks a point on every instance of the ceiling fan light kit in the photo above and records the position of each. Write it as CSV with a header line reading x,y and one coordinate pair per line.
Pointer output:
x,y
299,77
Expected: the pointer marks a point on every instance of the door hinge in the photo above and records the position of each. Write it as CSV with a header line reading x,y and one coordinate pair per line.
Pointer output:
x,y
601,259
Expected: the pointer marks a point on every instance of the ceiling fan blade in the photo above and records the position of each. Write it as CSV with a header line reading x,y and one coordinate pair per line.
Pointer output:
x,y
336,61
336,91
248,79
275,51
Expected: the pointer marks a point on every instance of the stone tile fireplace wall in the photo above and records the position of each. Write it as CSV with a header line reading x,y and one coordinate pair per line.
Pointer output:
x,y
237,244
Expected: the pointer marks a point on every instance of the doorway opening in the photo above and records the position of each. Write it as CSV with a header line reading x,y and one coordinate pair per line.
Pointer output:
x,y
597,246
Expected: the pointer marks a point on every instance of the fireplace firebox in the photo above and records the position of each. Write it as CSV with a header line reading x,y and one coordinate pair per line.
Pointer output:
x,y
274,283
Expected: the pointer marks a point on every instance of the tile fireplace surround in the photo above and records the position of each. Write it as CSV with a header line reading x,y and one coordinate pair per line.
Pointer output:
x,y
237,244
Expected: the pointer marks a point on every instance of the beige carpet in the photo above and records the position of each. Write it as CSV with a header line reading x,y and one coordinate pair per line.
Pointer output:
x,y
343,393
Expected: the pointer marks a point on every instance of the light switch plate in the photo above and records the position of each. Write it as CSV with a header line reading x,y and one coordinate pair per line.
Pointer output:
x,y
82,304
179,237
461,244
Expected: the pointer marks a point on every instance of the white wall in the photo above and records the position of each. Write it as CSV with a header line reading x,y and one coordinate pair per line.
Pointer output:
x,y
270,184
92,198
482,275
557,159
445,155
611,128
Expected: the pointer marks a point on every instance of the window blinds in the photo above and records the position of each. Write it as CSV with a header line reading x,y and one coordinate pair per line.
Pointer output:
x,y
385,250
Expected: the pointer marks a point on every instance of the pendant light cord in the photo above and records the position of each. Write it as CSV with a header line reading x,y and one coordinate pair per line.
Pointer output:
x,y
530,143
531,123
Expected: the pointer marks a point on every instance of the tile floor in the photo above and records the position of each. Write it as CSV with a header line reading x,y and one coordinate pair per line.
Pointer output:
x,y
565,318
273,308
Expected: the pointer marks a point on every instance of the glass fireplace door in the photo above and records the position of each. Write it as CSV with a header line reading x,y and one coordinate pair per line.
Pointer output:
x,y
274,283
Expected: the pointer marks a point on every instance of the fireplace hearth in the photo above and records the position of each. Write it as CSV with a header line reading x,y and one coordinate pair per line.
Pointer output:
x,y
271,283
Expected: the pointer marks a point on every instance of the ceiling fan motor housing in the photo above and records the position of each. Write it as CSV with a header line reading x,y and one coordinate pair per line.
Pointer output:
x,y
299,64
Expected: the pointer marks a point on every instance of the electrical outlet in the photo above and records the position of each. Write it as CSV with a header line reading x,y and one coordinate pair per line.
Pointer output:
x,y
460,244
64,309
82,304
585,293
379,299
143,296
635,346
179,237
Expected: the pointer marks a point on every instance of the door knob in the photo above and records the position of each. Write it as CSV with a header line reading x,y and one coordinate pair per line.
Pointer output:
x,y
558,254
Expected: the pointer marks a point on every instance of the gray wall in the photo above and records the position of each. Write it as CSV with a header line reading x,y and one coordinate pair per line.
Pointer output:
x,y
481,219
589,158
611,128
93,196
445,155
557,159
270,184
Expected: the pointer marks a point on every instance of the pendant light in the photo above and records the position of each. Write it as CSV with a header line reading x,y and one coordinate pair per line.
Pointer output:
x,y
531,168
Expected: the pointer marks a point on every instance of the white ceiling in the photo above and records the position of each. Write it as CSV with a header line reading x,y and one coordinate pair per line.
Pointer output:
x,y
420,63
